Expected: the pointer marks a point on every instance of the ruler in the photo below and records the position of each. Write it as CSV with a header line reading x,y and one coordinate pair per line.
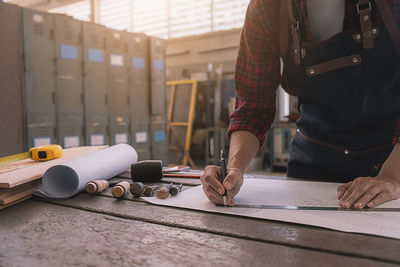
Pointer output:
x,y
16,157
283,207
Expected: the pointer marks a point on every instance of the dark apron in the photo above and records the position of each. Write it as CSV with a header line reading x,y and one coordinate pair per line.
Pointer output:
x,y
349,101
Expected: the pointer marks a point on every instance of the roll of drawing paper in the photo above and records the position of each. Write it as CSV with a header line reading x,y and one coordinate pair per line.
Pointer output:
x,y
68,179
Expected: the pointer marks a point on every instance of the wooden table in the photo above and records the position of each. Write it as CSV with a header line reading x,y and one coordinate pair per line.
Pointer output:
x,y
98,230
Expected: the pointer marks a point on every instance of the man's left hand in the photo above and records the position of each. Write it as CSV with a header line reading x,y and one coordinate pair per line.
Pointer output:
x,y
368,192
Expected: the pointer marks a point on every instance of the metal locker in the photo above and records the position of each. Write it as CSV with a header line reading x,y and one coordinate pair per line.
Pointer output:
x,y
141,139
69,89
117,87
11,110
137,44
157,76
39,77
159,142
139,96
94,82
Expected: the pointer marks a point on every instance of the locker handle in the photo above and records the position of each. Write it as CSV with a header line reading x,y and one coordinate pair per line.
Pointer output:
x,y
53,97
82,98
128,100
106,99
83,69
108,130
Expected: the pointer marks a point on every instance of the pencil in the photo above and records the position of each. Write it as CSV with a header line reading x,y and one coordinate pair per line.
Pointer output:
x,y
223,171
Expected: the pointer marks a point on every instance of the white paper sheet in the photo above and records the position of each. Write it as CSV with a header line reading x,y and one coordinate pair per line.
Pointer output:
x,y
66,180
297,193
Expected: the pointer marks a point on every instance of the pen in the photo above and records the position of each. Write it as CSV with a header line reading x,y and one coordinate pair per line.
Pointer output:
x,y
223,171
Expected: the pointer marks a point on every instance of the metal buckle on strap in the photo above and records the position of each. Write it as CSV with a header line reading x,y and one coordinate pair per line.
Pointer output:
x,y
366,23
296,26
358,7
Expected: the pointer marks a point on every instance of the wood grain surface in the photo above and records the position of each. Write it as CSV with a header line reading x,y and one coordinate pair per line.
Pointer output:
x,y
301,236
14,203
9,195
40,234
99,230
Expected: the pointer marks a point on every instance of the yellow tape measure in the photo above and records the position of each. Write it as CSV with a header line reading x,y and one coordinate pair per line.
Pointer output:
x,y
39,153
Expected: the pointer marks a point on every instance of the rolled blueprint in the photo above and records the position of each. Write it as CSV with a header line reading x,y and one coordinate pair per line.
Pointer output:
x,y
68,179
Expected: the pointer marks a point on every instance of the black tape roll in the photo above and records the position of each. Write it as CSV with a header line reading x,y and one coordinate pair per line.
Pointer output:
x,y
147,171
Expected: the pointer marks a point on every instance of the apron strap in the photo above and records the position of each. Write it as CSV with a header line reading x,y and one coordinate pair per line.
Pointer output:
x,y
364,10
295,32
284,29
295,24
390,23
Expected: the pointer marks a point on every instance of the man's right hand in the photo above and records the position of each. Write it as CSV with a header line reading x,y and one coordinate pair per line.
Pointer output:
x,y
213,187
242,149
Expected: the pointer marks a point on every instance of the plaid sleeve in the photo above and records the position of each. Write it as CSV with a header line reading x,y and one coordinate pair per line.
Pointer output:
x,y
396,138
257,74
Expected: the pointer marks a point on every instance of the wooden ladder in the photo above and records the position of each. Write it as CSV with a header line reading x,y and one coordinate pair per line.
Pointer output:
x,y
184,148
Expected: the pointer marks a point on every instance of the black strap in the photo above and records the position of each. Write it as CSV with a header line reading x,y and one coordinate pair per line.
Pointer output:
x,y
364,11
295,30
284,29
390,23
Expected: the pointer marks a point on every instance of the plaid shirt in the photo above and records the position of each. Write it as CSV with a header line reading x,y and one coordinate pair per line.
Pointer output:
x,y
257,73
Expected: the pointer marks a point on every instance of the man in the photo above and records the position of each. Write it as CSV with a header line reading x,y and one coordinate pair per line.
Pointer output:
x,y
342,59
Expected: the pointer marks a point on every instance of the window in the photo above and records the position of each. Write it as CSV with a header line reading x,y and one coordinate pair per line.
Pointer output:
x,y
79,10
151,17
163,18
189,17
116,14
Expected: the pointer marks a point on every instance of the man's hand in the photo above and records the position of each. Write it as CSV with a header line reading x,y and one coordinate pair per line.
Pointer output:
x,y
373,191
242,149
213,187
368,192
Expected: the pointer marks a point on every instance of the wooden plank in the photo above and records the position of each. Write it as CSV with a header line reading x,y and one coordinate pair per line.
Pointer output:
x,y
17,165
301,236
14,202
39,234
13,178
9,195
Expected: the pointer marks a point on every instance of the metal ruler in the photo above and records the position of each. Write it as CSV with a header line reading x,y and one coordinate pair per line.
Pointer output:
x,y
283,207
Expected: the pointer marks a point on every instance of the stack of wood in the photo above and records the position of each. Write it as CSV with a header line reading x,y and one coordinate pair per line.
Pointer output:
x,y
18,180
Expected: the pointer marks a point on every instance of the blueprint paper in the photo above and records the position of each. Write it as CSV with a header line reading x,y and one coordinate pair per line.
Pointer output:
x,y
296,193
69,178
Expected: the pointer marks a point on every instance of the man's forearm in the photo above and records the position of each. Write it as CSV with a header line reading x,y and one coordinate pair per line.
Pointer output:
x,y
391,167
243,147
